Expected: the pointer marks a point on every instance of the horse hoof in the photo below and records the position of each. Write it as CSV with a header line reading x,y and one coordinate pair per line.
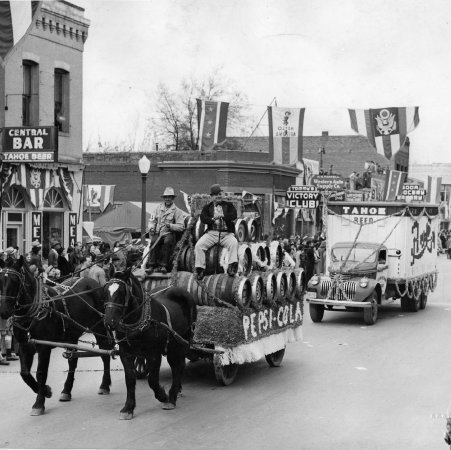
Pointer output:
x,y
103,391
65,397
168,406
37,411
48,391
126,416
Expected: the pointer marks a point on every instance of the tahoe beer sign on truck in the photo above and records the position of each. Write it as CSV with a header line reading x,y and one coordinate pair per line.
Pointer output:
x,y
30,144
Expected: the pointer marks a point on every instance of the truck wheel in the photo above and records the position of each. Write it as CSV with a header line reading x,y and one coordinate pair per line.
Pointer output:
x,y
370,314
316,312
275,359
423,300
405,304
225,375
414,304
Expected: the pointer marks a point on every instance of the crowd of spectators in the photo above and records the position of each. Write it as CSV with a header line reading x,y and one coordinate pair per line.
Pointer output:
x,y
306,252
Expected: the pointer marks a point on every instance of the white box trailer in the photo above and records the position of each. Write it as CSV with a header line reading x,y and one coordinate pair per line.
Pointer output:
x,y
376,252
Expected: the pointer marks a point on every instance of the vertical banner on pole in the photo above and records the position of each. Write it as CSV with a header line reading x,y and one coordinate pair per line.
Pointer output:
x,y
36,226
72,229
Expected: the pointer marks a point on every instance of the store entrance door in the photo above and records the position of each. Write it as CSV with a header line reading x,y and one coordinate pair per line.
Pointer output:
x,y
13,237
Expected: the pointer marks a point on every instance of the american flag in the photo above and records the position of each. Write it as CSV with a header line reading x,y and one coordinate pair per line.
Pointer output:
x,y
15,19
212,120
385,128
394,182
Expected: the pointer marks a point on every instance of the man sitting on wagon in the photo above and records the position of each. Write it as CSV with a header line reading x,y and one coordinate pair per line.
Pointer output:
x,y
218,215
168,220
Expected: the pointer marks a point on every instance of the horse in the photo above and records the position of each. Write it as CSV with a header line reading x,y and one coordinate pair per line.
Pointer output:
x,y
149,325
64,319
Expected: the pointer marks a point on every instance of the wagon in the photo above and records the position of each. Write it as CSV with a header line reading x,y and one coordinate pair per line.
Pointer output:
x,y
258,316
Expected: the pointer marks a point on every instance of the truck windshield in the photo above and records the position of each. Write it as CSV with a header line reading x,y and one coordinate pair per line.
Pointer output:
x,y
357,254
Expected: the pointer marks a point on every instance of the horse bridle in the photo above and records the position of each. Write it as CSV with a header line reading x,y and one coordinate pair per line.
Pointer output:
x,y
33,308
127,295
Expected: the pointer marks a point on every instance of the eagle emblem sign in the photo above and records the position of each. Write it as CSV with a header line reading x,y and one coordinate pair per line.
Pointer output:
x,y
35,178
386,122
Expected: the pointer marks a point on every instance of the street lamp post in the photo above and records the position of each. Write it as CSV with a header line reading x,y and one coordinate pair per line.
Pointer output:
x,y
322,150
144,166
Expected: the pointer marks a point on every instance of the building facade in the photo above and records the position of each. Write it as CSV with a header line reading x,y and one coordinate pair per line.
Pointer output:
x,y
41,88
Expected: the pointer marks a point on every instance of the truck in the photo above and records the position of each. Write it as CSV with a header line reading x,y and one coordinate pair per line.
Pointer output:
x,y
376,253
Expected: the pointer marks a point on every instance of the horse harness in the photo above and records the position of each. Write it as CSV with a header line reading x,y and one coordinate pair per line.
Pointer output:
x,y
146,320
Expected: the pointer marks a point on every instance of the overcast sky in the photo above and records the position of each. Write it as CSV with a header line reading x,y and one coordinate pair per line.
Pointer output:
x,y
326,56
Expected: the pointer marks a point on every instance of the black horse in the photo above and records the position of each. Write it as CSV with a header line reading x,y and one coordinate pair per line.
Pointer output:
x,y
149,325
63,319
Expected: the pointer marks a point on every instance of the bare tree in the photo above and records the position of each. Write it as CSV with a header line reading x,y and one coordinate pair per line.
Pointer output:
x,y
177,112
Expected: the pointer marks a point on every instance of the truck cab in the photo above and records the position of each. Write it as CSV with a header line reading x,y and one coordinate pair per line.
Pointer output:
x,y
356,279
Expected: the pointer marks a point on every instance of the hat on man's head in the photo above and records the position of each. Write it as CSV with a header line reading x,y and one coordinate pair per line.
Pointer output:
x,y
36,244
215,189
10,251
169,192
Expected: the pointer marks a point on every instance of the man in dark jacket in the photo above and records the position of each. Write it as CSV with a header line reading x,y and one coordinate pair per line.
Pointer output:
x,y
218,215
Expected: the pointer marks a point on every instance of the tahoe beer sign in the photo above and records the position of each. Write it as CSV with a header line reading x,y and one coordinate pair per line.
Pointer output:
x,y
302,197
30,144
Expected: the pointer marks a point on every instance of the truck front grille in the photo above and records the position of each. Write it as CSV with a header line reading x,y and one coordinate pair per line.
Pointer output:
x,y
349,288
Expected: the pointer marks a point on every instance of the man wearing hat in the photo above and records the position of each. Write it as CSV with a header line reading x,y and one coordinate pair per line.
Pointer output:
x,y
35,256
162,228
11,255
218,215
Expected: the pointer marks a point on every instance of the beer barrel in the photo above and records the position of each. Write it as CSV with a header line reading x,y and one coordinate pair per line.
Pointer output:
x,y
244,259
258,255
268,255
154,282
281,285
291,285
199,229
212,260
269,288
185,261
300,281
241,231
276,254
257,292
233,290
253,228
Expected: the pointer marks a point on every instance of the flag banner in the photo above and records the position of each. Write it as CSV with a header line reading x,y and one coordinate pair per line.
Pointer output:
x,y
394,182
212,121
98,196
385,128
285,134
311,168
187,200
433,190
15,19
66,180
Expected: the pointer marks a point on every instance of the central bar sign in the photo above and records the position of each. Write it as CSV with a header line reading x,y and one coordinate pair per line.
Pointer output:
x,y
306,197
30,144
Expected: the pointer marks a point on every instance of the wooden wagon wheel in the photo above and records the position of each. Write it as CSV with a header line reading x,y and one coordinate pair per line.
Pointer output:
x,y
275,359
224,374
141,367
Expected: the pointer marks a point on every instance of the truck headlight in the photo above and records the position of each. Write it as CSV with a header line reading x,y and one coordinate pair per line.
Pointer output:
x,y
314,280
363,283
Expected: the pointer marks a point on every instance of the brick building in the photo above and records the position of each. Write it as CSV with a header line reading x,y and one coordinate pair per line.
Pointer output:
x,y
240,164
41,86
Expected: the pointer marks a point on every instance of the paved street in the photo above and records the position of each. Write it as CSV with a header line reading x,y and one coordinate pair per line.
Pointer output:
x,y
347,386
